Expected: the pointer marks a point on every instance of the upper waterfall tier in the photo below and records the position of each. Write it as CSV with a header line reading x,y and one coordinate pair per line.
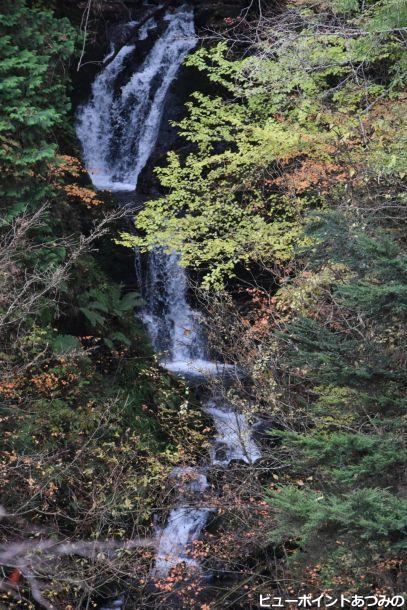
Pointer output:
x,y
118,127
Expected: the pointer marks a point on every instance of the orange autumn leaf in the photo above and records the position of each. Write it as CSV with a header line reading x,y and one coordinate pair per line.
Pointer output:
x,y
15,576
86,195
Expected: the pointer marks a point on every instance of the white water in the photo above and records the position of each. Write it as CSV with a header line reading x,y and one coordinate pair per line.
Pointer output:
x,y
174,330
234,440
189,479
118,129
172,323
184,525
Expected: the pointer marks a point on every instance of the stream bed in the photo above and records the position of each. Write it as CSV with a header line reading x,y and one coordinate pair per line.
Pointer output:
x,y
118,128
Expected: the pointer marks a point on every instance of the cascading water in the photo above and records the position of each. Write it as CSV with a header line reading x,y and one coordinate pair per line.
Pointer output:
x,y
171,321
173,325
233,440
185,523
118,129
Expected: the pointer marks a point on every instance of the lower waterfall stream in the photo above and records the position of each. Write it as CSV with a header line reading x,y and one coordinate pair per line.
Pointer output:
x,y
118,128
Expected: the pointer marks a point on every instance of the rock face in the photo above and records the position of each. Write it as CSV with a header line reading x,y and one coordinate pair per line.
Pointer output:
x,y
208,12
213,12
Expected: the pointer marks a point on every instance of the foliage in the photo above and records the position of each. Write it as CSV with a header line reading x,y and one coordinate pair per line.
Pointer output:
x,y
34,47
102,308
295,171
290,122
327,368
292,181
90,427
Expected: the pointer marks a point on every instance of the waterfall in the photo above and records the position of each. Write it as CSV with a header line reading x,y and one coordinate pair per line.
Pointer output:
x,y
94,120
233,440
172,323
184,525
118,130
118,127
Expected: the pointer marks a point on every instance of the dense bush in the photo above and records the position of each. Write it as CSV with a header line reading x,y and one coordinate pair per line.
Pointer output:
x,y
288,200
90,428
292,183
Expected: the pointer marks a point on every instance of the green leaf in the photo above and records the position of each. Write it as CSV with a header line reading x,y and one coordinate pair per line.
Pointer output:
x,y
130,301
119,336
63,344
93,317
